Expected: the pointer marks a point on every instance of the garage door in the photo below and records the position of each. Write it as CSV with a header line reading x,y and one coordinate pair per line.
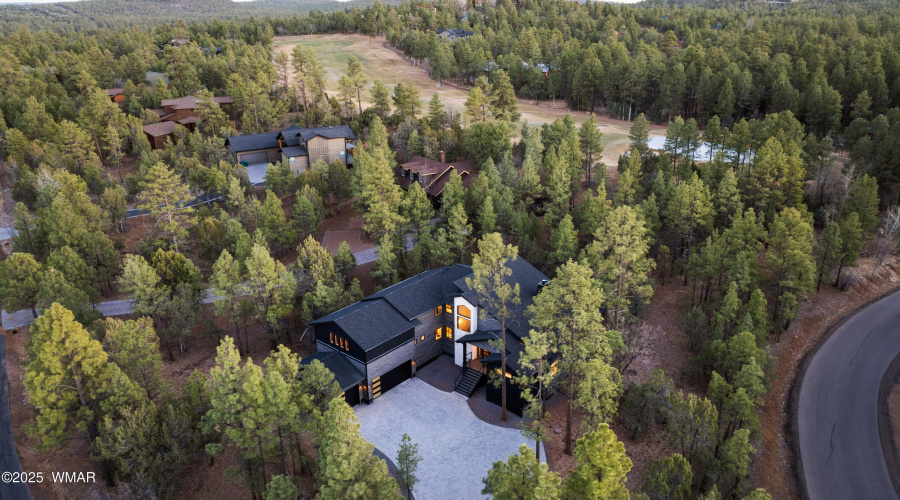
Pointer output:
x,y
351,395
252,158
391,379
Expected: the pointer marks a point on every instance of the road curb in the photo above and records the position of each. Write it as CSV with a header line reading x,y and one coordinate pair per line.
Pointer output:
x,y
792,430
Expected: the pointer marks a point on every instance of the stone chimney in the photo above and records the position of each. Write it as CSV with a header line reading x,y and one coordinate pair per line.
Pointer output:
x,y
443,157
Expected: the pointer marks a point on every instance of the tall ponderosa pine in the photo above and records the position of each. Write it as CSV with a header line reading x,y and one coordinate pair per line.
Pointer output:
x,y
566,313
522,477
347,468
20,280
70,380
601,467
165,196
490,281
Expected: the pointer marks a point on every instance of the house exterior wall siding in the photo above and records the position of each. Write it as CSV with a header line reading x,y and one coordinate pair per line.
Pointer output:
x,y
328,149
459,356
301,164
386,363
428,349
272,154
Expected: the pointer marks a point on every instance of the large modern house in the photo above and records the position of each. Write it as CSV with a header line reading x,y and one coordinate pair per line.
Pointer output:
x,y
377,343
301,147
433,175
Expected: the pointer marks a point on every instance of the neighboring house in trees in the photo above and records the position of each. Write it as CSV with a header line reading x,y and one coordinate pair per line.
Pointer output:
x,y
453,34
181,111
375,344
115,95
300,147
433,175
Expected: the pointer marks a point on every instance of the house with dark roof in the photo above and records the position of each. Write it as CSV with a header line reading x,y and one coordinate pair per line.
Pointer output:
x,y
377,343
300,147
433,175
453,34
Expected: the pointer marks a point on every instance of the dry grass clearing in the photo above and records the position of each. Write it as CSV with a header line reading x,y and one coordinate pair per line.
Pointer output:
x,y
381,62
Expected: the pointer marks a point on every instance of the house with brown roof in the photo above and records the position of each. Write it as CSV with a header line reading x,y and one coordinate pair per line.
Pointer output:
x,y
115,95
433,175
181,111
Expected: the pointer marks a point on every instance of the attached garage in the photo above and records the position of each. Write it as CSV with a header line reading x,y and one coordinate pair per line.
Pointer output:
x,y
253,158
345,374
391,379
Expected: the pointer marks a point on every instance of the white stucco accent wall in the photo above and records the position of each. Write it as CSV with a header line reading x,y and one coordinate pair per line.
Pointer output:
x,y
458,356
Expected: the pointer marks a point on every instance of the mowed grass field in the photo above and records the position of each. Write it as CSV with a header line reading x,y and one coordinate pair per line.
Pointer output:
x,y
380,62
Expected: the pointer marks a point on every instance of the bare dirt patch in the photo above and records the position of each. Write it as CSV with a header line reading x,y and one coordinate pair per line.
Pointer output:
x,y
775,467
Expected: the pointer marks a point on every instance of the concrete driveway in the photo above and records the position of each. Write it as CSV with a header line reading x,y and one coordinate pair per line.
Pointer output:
x,y
457,448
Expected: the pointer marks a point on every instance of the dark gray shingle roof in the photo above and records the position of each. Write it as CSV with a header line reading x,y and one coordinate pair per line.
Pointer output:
x,y
327,132
345,374
423,292
290,135
369,323
291,151
241,143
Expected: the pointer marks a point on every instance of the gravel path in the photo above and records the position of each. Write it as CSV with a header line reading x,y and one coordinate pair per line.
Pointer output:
x,y
457,448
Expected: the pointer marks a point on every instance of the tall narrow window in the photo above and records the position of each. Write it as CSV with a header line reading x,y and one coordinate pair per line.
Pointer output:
x,y
448,309
438,333
448,332
438,310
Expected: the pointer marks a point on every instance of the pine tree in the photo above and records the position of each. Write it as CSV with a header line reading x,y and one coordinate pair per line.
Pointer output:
x,y
503,101
166,197
347,469
70,380
565,241
385,271
579,337
274,224
437,116
271,288
381,102
864,201
73,267
589,137
407,464
828,250
357,79
55,288
792,264
134,347
692,427
601,467
20,279
619,257
668,479
522,477
639,134
851,243
490,281
487,216
226,285
629,187
458,232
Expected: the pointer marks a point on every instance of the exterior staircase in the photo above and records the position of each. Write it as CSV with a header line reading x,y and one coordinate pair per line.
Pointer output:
x,y
468,381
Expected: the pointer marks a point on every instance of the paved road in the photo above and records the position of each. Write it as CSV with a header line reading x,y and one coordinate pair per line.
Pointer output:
x,y
838,407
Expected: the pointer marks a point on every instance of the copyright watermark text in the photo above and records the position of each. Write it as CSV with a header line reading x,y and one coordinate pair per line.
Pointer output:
x,y
53,477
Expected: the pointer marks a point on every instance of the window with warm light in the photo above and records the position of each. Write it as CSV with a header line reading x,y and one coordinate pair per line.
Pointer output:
x,y
464,324
448,309
438,334
422,339
463,311
448,332
438,310
338,341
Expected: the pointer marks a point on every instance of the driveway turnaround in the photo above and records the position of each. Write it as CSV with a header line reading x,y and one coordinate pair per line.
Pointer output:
x,y
838,407
457,448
